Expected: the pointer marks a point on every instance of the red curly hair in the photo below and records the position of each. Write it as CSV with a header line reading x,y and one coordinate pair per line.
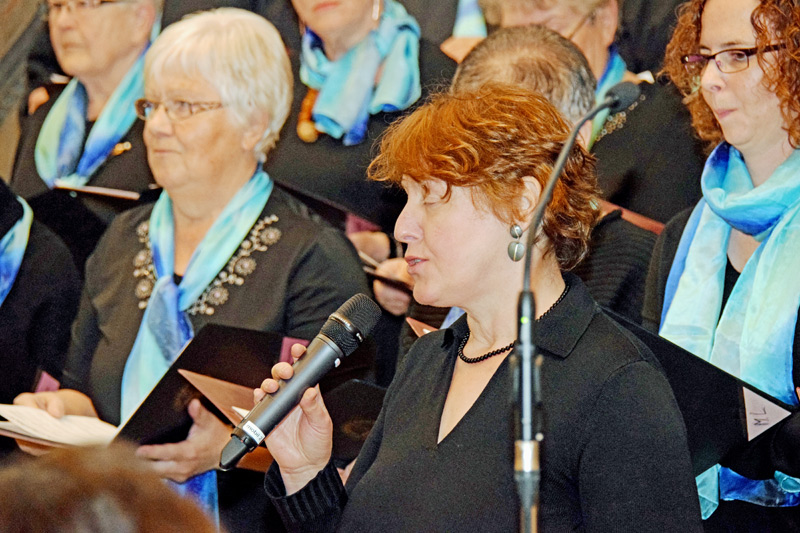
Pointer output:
x,y
489,139
773,21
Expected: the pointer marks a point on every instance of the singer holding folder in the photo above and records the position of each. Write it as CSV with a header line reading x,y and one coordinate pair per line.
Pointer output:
x,y
725,278
440,456
221,245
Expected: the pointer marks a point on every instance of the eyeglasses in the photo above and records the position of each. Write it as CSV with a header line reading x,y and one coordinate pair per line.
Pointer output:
x,y
580,24
176,110
728,61
57,6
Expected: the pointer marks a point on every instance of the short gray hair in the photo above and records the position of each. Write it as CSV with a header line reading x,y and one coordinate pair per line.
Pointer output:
x,y
534,58
241,55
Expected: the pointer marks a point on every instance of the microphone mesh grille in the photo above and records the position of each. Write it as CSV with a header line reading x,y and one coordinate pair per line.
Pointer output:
x,y
362,313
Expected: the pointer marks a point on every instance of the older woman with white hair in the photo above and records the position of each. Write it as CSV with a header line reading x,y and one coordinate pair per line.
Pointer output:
x,y
220,245
87,133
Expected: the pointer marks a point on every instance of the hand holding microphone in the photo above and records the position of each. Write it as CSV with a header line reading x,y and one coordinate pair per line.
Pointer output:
x,y
302,443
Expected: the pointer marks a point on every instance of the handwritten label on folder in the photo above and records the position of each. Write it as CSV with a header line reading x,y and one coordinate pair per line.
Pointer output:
x,y
762,414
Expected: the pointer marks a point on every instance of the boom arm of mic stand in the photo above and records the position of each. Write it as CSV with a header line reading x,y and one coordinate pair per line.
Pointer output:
x,y
526,362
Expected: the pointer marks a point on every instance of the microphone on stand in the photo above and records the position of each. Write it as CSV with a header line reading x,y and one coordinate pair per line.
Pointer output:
x,y
339,337
525,361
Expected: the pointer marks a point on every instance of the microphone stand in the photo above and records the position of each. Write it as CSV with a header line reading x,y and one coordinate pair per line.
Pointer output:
x,y
526,360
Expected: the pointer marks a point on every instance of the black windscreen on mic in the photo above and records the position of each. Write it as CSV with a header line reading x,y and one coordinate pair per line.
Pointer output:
x,y
339,337
621,96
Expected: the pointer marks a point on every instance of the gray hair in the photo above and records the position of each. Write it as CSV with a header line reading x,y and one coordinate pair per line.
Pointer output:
x,y
237,52
534,58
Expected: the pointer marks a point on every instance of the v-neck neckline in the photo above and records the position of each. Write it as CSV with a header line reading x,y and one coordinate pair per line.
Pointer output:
x,y
451,365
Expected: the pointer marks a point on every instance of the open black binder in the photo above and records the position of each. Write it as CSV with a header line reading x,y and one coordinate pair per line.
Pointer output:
x,y
722,413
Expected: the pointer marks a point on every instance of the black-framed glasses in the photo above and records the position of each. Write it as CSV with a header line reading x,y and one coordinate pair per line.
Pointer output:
x,y
57,6
176,110
728,61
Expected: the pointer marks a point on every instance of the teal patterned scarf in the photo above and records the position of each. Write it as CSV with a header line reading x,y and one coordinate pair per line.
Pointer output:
x,y
61,155
12,249
469,20
165,328
348,93
752,337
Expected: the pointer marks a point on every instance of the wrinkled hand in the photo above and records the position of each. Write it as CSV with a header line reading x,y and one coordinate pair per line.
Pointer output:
x,y
301,444
375,244
393,300
58,403
197,454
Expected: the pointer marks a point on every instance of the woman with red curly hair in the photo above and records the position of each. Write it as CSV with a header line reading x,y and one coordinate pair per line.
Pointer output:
x,y
724,280
440,456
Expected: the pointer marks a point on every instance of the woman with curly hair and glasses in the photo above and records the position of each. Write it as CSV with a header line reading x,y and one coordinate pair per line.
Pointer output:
x,y
440,456
723,282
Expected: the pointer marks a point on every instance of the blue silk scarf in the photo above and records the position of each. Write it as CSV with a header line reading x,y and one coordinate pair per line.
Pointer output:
x,y
12,250
612,75
165,329
752,337
469,20
61,155
348,93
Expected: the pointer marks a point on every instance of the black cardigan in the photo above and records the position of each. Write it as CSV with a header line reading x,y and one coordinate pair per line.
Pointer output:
x,y
614,458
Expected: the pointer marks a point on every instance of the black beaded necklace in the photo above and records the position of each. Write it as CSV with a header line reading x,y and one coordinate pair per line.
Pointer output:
x,y
504,349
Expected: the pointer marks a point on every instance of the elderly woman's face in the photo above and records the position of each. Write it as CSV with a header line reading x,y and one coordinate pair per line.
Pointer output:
x,y
334,18
456,252
88,42
748,114
198,150
591,31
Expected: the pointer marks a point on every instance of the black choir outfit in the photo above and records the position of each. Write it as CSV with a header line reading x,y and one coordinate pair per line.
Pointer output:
x,y
615,456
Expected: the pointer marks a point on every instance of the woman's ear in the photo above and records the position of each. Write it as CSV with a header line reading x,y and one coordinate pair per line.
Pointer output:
x,y
142,25
606,21
530,198
254,132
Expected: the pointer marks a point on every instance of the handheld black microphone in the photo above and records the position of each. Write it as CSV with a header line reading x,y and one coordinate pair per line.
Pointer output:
x,y
339,337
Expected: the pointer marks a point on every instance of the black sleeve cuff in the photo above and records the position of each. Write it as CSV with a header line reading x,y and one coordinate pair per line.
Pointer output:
x,y
316,507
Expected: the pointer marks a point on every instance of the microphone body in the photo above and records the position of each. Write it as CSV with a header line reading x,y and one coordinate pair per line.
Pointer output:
x,y
340,336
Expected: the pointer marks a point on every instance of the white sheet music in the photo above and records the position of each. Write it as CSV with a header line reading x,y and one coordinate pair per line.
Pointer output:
x,y
72,430
762,414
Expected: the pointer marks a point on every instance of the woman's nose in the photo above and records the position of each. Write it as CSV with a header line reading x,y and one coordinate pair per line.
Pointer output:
x,y
711,78
158,122
407,228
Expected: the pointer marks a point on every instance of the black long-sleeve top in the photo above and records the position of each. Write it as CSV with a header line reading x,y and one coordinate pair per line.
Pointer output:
x,y
614,459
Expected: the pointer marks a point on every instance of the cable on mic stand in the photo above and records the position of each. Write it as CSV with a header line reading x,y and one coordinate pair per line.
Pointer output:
x,y
526,361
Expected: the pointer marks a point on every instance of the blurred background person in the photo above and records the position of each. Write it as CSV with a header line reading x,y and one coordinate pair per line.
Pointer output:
x,y
87,132
440,455
647,155
361,64
39,292
724,283
102,490
221,245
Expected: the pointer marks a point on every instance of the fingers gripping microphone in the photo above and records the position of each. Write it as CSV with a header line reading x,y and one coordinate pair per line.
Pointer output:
x,y
339,337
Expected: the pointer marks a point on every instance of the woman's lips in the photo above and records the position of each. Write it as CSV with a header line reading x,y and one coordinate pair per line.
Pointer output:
x,y
325,6
413,263
722,113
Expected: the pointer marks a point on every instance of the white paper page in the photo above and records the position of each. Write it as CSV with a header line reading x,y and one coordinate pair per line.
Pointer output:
x,y
71,429
762,414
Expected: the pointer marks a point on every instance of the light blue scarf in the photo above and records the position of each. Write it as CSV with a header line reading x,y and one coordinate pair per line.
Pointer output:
x,y
61,156
12,249
165,328
348,94
469,20
752,337
612,75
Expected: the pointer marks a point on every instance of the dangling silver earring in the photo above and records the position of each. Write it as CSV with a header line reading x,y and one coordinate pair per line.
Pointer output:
x,y
516,250
376,9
